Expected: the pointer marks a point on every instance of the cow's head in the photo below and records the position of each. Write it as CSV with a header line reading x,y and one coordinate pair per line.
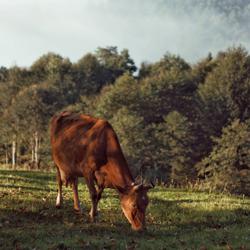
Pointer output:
x,y
134,203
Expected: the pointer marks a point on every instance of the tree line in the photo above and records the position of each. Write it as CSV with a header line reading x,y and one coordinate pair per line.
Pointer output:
x,y
178,123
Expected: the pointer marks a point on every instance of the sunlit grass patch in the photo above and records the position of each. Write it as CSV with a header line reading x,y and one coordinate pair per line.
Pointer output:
x,y
176,219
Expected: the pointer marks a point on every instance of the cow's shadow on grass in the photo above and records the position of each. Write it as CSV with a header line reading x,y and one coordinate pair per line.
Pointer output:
x,y
177,217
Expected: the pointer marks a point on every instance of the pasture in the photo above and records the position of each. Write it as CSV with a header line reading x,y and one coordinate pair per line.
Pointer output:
x,y
176,219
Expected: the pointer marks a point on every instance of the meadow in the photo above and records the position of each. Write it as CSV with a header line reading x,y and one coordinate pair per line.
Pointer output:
x,y
176,218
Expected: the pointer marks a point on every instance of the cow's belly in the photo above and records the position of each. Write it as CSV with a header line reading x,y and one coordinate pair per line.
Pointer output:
x,y
69,176
68,168
78,159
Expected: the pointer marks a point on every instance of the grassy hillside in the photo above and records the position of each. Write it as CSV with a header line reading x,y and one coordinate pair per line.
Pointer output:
x,y
177,219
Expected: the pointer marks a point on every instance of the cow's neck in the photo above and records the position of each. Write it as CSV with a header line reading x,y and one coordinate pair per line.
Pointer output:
x,y
121,177
119,173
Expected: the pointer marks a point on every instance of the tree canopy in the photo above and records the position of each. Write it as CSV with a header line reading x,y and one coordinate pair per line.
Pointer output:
x,y
177,122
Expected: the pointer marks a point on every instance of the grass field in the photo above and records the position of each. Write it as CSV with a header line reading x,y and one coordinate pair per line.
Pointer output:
x,y
176,219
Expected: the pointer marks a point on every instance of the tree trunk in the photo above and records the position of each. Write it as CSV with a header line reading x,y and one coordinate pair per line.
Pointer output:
x,y
6,157
31,165
32,154
14,154
32,151
36,149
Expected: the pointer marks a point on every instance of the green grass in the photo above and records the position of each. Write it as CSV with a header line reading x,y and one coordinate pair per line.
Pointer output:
x,y
176,219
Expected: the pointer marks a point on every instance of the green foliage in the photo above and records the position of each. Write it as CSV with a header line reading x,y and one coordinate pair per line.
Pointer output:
x,y
3,74
180,144
115,64
88,74
124,93
169,87
93,71
34,106
224,95
227,168
169,63
50,66
165,117
129,128
85,104
203,68
170,149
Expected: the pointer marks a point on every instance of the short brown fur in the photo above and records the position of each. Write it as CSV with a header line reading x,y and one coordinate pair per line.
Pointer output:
x,y
83,146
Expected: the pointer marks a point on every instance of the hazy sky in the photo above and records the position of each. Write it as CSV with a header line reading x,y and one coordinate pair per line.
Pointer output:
x,y
148,28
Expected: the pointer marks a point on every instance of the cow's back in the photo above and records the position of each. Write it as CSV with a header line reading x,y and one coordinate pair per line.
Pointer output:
x,y
77,143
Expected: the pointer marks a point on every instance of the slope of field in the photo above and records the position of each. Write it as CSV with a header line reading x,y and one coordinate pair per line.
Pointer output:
x,y
177,219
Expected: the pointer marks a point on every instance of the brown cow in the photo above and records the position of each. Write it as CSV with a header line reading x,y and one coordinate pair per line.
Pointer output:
x,y
83,146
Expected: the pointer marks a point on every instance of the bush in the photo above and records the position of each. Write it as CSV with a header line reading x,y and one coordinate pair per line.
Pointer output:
x,y
227,168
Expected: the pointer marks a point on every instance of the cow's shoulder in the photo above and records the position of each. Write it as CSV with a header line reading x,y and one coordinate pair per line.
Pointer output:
x,y
62,120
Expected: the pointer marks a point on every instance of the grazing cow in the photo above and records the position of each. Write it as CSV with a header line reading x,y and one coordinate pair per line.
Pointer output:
x,y
83,146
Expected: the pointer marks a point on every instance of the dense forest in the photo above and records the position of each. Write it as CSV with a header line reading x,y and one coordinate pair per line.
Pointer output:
x,y
178,123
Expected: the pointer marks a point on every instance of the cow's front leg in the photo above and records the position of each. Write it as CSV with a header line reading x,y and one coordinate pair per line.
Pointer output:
x,y
93,195
95,200
98,197
77,207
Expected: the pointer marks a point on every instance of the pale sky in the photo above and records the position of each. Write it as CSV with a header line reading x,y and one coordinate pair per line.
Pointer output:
x,y
147,28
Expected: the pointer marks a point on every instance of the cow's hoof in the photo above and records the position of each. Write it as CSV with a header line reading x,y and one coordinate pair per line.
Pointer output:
x,y
93,216
92,219
78,211
58,206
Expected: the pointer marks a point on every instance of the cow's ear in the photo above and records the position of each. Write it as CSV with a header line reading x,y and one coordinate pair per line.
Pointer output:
x,y
137,187
138,179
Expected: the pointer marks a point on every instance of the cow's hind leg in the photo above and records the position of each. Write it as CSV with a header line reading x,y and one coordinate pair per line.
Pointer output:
x,y
77,207
59,197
